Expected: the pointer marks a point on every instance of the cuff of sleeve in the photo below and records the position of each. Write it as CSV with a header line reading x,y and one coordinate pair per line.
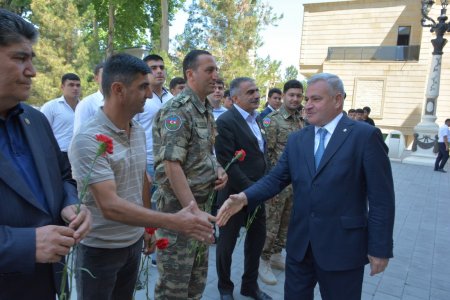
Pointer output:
x,y
17,250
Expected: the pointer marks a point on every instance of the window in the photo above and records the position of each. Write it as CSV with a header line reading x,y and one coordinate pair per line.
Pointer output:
x,y
404,32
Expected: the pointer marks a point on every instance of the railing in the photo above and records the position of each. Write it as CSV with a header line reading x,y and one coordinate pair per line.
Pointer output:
x,y
383,53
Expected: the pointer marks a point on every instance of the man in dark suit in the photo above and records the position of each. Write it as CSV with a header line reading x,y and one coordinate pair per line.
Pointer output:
x,y
36,191
273,102
343,212
238,129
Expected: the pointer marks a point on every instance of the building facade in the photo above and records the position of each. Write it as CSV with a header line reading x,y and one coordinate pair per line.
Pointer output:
x,y
381,52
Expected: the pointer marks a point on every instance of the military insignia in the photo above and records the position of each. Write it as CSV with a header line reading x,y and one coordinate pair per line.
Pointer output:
x,y
173,123
266,122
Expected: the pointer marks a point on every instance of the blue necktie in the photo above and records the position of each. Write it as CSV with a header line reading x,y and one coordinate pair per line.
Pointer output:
x,y
319,153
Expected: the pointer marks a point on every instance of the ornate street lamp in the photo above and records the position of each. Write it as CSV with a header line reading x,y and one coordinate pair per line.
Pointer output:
x,y
425,133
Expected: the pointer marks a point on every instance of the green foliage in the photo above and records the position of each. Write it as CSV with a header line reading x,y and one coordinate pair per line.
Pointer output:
x,y
290,73
20,7
230,30
60,49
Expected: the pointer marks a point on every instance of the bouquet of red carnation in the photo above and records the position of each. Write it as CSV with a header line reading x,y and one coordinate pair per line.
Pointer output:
x,y
160,244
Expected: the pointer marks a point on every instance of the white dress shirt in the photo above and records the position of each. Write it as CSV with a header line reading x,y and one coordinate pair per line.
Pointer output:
x,y
86,109
60,115
251,121
330,127
443,131
151,108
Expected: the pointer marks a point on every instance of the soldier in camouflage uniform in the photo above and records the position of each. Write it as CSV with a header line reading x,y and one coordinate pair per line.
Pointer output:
x,y
279,124
186,170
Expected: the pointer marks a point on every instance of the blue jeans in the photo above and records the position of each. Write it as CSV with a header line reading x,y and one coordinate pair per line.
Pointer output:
x,y
115,272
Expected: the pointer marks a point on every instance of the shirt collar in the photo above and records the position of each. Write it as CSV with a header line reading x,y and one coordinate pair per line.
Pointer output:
x,y
108,123
201,106
245,114
285,113
331,126
269,106
14,111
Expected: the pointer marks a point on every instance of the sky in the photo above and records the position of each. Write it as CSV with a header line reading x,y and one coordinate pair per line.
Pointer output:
x,y
281,42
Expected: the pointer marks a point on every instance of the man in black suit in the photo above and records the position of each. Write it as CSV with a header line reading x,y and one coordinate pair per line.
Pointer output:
x,y
238,129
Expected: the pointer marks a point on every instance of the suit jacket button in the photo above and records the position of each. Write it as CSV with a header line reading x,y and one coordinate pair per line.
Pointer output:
x,y
313,215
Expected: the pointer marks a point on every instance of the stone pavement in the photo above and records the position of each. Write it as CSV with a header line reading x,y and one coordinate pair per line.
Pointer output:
x,y
420,268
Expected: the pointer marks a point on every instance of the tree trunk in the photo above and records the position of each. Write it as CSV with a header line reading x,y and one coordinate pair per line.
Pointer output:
x,y
164,33
111,23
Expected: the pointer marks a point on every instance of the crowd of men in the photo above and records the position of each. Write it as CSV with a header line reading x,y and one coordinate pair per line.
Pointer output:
x,y
333,192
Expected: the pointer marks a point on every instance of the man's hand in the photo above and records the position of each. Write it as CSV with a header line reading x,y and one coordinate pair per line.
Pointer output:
x,y
195,223
81,223
149,243
230,207
222,179
377,265
53,242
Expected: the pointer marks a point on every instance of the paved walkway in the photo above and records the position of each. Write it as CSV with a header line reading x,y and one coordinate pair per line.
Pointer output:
x,y
421,266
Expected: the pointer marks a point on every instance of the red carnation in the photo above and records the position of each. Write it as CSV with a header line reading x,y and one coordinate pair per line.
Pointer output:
x,y
106,144
162,243
150,230
240,154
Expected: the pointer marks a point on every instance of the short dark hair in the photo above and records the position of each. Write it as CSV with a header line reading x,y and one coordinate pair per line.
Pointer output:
x,y
226,93
292,84
13,29
69,76
176,81
122,68
236,84
359,111
152,57
447,120
190,60
351,110
98,67
220,81
274,91
367,109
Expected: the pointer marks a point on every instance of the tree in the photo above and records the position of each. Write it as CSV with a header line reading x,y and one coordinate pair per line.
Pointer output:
x,y
290,73
17,6
231,30
60,49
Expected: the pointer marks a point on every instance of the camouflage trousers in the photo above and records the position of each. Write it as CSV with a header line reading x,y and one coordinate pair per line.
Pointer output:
x,y
182,275
278,212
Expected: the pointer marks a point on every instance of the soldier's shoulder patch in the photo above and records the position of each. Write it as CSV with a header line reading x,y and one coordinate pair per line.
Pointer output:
x,y
173,122
266,122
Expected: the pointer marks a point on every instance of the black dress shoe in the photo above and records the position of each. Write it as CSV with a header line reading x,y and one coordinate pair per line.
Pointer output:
x,y
226,297
257,295
442,170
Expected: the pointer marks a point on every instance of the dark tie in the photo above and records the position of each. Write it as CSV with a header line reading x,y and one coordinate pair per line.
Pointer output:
x,y
319,153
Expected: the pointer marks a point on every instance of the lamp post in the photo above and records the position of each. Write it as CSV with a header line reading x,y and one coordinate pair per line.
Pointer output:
x,y
425,133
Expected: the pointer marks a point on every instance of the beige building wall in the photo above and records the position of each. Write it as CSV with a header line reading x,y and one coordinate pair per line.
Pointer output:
x,y
395,90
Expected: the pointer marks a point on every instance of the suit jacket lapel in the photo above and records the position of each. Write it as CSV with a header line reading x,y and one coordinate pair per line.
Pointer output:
x,y
340,134
309,146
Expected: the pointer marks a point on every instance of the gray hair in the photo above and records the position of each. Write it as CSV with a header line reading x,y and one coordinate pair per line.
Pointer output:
x,y
235,85
335,84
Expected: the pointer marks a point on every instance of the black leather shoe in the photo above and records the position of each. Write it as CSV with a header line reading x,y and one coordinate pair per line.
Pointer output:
x,y
257,295
442,170
226,297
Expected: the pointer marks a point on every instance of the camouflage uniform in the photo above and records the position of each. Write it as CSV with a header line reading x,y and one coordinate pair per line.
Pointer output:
x,y
279,124
183,131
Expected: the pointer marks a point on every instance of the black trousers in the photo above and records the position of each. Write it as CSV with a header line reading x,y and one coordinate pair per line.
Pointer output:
x,y
254,243
442,157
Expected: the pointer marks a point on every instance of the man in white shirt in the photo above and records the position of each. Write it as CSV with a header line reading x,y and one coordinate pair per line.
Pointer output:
x,y
442,157
273,102
152,105
60,111
89,105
